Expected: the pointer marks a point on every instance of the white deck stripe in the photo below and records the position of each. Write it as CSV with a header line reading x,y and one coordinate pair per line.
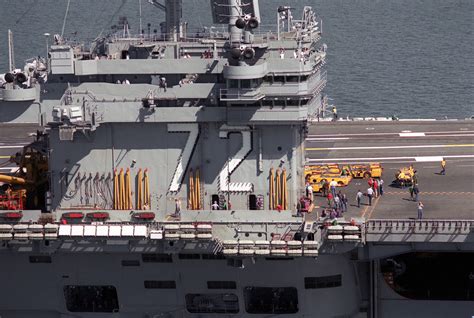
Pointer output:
x,y
372,159
394,133
10,147
392,147
429,159
411,134
9,169
327,139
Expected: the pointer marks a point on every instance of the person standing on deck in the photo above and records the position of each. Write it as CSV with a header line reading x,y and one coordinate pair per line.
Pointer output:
x,y
443,167
309,191
324,187
381,186
376,188
420,210
330,197
334,113
333,185
177,208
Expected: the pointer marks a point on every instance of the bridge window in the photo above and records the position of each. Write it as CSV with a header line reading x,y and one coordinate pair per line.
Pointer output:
x,y
189,256
91,298
304,102
268,79
130,262
245,83
322,282
212,303
279,79
221,285
271,300
160,284
292,102
213,256
292,79
40,259
157,258
233,83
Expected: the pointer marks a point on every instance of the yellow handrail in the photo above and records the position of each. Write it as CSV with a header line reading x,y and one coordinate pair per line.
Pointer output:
x,y
146,191
139,189
271,190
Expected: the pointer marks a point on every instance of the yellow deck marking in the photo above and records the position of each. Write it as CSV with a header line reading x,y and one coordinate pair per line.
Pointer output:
x,y
373,208
364,211
5,157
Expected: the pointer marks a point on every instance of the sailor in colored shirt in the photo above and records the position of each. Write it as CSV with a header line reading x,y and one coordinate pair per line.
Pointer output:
x,y
443,167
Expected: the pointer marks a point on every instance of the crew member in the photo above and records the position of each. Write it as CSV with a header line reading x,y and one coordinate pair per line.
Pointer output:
x,y
334,113
420,210
443,167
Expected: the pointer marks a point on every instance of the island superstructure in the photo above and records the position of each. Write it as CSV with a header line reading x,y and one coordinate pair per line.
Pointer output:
x,y
166,177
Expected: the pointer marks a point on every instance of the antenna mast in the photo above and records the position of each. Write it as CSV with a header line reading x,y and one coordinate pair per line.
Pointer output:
x,y
140,10
65,17
11,53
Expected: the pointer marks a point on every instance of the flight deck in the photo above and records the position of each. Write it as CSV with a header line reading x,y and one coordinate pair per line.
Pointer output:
x,y
396,144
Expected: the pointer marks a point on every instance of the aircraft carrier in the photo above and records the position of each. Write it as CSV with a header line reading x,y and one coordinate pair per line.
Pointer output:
x,y
163,175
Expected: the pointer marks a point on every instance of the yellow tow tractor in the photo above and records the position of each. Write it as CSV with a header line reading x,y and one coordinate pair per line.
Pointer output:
x,y
366,171
316,175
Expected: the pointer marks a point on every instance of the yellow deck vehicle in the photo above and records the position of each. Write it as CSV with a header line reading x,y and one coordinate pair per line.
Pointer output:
x,y
404,176
316,179
320,169
371,170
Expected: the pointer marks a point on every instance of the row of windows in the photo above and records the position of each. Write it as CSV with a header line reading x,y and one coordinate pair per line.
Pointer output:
x,y
158,258
309,283
167,258
258,300
161,258
171,284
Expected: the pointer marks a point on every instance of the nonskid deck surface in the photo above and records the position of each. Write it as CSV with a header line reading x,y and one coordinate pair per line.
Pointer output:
x,y
394,144
12,139
398,144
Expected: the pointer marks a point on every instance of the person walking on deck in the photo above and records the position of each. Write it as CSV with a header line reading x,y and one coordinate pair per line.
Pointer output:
x,y
443,167
420,210
370,194
410,189
330,197
359,196
416,192
344,202
337,202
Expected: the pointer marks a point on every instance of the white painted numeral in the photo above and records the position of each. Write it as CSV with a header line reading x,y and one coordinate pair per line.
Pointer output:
x,y
232,164
183,161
